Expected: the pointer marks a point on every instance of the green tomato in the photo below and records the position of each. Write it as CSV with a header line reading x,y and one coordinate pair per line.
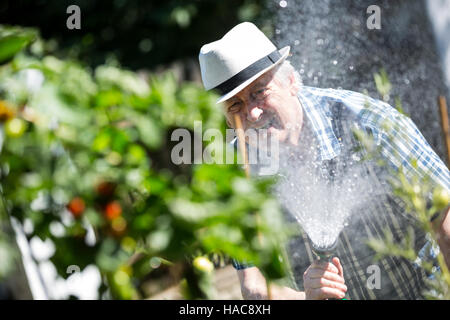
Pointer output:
x,y
203,264
15,127
418,203
441,198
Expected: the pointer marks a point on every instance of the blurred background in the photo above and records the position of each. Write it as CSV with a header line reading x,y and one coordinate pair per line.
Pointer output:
x,y
83,97
139,34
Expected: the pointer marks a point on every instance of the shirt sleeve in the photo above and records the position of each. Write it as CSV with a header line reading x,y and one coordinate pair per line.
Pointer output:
x,y
403,145
241,265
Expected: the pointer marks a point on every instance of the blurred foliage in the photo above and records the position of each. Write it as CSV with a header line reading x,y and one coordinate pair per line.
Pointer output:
x,y
7,252
383,84
423,200
139,34
13,40
85,159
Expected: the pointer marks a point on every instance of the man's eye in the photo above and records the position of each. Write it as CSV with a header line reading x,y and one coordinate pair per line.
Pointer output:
x,y
260,93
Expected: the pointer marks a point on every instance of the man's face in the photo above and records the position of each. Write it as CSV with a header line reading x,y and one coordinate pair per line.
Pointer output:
x,y
268,103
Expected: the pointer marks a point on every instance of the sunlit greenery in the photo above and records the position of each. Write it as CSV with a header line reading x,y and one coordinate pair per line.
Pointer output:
x,y
85,159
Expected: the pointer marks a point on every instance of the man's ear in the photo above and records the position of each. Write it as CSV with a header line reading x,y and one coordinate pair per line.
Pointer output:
x,y
224,112
293,86
229,124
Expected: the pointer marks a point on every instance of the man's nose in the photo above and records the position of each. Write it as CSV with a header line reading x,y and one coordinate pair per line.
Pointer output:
x,y
254,113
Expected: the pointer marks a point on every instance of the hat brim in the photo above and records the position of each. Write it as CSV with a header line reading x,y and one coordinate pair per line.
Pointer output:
x,y
284,52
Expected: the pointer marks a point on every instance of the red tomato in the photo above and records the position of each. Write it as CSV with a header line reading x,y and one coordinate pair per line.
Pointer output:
x,y
113,210
76,206
106,188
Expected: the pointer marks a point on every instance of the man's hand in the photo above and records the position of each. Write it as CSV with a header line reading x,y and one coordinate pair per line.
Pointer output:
x,y
442,227
254,287
324,280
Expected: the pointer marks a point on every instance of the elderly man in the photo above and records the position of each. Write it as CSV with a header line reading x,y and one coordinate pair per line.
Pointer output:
x,y
260,86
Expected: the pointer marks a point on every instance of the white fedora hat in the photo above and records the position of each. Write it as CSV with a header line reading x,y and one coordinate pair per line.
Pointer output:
x,y
231,63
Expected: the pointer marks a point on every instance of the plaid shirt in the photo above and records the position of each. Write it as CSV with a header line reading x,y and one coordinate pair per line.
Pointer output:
x,y
400,146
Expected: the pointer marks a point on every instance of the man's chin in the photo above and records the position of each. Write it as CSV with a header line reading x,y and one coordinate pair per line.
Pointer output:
x,y
280,134
284,135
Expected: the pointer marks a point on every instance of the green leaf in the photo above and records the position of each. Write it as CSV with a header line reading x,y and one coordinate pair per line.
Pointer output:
x,y
49,102
149,131
11,44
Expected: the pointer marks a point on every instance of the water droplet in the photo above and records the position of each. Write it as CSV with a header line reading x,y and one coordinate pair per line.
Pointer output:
x,y
155,262
335,62
283,4
296,42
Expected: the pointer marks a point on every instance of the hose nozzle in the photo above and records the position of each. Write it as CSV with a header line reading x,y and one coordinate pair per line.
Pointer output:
x,y
324,253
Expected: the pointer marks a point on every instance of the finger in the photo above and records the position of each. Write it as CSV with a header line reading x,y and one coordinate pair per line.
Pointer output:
x,y
324,265
319,273
322,283
338,264
324,293
308,269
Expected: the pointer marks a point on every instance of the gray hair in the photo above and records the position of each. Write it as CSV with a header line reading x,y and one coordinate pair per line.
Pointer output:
x,y
285,70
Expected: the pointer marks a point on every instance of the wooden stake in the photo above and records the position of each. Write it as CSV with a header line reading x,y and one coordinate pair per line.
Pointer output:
x,y
243,150
445,125
241,142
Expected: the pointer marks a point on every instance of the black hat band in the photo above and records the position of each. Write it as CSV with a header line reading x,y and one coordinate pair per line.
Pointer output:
x,y
248,72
